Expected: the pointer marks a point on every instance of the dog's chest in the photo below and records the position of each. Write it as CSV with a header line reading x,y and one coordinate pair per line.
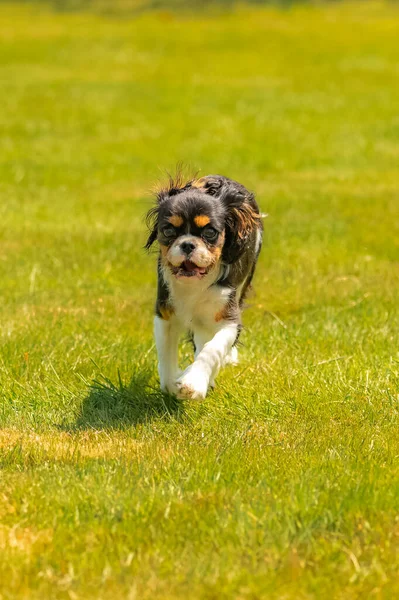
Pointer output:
x,y
200,308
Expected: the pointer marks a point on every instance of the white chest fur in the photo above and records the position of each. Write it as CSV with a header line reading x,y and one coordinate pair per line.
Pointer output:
x,y
197,303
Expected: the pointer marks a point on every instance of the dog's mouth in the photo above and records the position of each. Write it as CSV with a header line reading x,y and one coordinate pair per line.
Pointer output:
x,y
189,269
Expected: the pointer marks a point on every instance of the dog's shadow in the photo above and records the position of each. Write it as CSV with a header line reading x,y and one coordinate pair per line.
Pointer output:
x,y
110,405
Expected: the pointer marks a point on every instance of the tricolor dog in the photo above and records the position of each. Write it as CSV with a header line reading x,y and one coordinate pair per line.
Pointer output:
x,y
209,232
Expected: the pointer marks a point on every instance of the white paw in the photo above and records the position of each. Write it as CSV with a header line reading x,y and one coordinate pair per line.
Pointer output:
x,y
168,385
193,384
169,388
232,357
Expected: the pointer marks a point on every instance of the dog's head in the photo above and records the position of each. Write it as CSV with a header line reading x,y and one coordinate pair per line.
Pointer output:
x,y
200,224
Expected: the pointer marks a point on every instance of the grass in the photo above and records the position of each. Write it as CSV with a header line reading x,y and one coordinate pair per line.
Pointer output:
x,y
284,483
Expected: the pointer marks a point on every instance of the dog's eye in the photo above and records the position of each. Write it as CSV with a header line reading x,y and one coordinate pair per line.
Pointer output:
x,y
210,234
169,232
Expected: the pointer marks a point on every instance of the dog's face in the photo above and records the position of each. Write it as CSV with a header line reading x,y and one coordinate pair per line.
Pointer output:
x,y
191,233
200,224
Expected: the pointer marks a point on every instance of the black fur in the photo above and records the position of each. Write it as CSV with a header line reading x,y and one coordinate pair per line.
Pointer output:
x,y
233,213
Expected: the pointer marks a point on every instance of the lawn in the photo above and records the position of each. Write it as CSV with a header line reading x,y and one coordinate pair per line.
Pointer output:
x,y
284,482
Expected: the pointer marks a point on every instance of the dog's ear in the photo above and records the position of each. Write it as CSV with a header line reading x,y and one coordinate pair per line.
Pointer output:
x,y
242,219
242,213
152,225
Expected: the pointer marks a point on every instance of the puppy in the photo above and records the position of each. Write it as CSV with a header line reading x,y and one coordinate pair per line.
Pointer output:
x,y
210,234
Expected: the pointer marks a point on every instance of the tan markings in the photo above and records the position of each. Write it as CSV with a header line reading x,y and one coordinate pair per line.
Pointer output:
x,y
166,312
219,316
216,252
246,218
199,183
222,314
176,220
201,220
164,250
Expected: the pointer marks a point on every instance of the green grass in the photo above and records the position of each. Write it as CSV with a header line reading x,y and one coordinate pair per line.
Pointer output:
x,y
284,483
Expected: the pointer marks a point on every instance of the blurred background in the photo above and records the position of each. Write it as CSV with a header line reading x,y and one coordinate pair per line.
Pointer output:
x,y
131,7
100,98
283,483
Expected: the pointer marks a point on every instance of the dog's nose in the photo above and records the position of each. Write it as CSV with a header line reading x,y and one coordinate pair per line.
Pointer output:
x,y
187,247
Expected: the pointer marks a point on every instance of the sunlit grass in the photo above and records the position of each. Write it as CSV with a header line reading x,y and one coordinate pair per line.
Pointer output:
x,y
284,482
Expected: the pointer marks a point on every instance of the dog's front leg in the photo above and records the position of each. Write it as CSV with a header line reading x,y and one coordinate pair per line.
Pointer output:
x,y
167,339
197,377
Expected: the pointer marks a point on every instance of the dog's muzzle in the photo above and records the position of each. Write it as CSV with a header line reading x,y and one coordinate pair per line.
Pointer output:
x,y
189,258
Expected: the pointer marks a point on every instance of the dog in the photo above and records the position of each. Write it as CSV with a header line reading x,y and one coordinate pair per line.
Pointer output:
x,y
209,232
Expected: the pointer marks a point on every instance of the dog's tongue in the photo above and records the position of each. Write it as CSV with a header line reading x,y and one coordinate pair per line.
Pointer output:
x,y
191,267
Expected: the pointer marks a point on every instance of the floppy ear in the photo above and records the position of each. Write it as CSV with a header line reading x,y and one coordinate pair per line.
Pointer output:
x,y
152,224
241,220
242,213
